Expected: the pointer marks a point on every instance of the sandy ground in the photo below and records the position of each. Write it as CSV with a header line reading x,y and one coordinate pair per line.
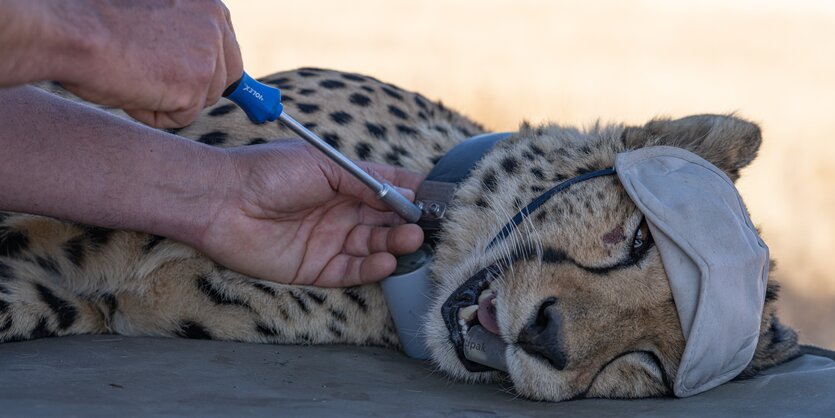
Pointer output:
x,y
575,62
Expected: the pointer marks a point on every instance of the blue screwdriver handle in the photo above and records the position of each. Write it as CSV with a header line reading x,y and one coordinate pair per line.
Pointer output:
x,y
262,103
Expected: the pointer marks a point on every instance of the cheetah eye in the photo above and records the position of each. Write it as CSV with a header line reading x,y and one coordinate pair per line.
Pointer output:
x,y
641,241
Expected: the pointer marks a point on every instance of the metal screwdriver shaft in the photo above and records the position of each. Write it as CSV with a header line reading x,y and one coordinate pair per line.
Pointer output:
x,y
384,191
262,103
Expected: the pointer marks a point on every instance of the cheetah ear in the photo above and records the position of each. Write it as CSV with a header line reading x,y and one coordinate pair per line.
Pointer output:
x,y
728,142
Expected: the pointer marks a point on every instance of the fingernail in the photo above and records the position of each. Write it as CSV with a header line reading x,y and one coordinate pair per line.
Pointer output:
x,y
407,193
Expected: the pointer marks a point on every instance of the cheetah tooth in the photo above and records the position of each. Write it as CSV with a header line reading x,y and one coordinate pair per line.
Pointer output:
x,y
485,294
467,314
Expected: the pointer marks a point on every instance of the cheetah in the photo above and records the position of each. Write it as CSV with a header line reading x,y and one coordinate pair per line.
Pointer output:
x,y
619,333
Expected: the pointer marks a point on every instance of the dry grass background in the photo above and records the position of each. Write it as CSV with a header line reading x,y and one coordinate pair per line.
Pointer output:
x,y
577,61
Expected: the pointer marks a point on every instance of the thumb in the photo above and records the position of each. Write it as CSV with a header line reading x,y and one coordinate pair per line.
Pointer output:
x,y
349,185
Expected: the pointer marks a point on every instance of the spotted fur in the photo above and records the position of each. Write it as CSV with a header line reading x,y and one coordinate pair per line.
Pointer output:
x,y
575,260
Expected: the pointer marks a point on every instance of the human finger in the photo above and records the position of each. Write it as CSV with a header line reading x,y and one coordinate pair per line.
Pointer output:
x,y
165,120
345,270
365,240
397,176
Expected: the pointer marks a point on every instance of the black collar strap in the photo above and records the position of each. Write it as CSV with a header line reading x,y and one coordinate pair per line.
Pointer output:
x,y
541,199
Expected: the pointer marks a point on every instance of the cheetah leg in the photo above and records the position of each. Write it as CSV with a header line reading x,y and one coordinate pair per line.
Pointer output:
x,y
197,299
37,309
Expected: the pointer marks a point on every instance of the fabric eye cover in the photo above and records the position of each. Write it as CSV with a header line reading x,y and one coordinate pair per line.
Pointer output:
x,y
716,262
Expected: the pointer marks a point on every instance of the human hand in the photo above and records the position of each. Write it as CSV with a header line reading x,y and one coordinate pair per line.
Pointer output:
x,y
160,61
289,214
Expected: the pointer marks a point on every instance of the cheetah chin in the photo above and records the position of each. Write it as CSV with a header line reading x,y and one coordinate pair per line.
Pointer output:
x,y
584,267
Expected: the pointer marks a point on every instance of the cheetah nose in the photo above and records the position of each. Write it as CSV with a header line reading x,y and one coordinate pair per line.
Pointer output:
x,y
541,335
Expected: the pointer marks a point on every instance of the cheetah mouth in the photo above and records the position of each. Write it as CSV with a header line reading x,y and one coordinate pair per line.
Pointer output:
x,y
472,304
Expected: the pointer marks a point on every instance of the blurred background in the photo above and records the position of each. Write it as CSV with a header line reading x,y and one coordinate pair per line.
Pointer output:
x,y
574,62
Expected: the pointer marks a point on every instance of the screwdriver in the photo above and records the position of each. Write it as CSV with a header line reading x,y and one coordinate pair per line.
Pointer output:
x,y
262,103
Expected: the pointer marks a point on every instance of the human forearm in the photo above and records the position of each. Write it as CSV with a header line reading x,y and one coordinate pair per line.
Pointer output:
x,y
70,161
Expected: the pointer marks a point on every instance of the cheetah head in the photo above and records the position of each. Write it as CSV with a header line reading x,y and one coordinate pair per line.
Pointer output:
x,y
580,294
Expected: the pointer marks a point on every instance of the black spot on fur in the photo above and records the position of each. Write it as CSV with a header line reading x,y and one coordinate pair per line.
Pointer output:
x,y
537,189
585,149
421,103
341,118
213,138
353,77
403,129
392,93
489,182
151,243
310,125
332,139
550,255
354,296
360,99
378,131
269,290
306,73
363,150
306,92
332,84
397,112
536,150
98,236
481,203
301,302
74,250
368,89
285,98
393,158
110,302
40,331
222,110
335,331
281,82
584,170
338,315
464,131
256,141
509,164
265,330
316,297
12,242
64,312
216,295
400,150
538,173
7,323
48,264
423,116
193,330
307,108
441,129
5,270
